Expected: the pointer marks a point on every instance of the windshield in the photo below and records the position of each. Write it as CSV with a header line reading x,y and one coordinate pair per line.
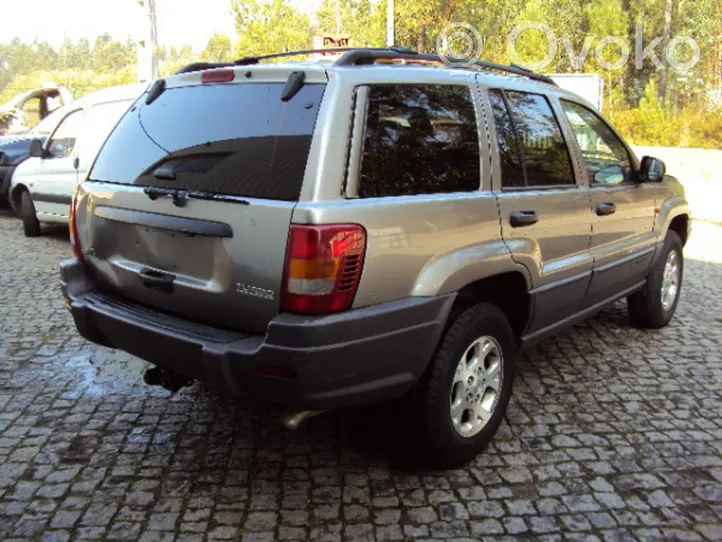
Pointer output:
x,y
234,139
48,124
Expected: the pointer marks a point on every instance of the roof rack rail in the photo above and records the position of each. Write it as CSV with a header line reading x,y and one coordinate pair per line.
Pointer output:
x,y
360,57
354,56
250,60
255,59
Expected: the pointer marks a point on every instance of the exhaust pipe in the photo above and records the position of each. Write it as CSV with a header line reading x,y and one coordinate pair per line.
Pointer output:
x,y
155,376
292,420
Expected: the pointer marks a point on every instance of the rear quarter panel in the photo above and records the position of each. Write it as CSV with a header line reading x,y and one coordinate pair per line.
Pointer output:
x,y
420,245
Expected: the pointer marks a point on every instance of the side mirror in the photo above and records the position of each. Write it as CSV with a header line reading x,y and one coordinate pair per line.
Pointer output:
x,y
36,148
651,170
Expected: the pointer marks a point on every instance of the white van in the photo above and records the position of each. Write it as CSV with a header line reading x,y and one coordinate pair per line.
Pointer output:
x,y
43,185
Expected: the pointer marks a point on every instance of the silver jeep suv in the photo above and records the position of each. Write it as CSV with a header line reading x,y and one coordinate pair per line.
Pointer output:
x,y
322,235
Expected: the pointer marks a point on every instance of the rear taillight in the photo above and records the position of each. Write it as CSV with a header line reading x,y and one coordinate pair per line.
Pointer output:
x,y
323,267
74,240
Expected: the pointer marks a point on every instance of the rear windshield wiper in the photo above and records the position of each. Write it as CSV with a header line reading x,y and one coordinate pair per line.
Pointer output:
x,y
199,194
180,197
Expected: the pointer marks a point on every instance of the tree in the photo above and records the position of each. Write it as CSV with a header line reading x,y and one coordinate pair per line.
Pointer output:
x,y
269,26
607,19
218,49
112,55
667,31
364,20
76,55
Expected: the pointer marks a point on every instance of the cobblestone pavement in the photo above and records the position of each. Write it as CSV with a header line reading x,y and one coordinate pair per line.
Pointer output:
x,y
613,434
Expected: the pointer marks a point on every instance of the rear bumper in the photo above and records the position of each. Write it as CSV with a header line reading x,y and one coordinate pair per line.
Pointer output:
x,y
359,356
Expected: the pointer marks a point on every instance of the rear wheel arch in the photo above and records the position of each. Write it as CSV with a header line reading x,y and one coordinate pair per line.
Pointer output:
x,y
509,291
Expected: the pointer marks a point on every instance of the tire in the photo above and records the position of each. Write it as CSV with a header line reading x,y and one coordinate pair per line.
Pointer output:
x,y
648,308
31,225
445,444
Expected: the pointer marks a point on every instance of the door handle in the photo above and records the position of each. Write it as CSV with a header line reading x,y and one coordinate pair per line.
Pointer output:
x,y
605,209
519,219
157,280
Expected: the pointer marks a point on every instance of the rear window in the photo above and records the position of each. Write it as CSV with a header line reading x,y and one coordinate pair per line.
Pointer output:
x,y
235,139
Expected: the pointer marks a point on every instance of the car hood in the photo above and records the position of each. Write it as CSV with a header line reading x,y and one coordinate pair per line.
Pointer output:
x,y
15,148
11,139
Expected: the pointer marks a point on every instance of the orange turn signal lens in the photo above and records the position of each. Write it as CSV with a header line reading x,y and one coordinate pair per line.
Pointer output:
x,y
313,269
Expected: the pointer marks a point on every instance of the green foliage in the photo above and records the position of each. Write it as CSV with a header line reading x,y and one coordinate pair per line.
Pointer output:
x,y
705,129
80,67
78,82
219,49
363,19
268,26
650,124
648,106
174,59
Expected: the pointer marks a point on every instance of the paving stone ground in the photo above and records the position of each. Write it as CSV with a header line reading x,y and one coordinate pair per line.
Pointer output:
x,y
613,434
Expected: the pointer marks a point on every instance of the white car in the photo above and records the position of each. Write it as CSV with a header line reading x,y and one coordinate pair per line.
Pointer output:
x,y
43,185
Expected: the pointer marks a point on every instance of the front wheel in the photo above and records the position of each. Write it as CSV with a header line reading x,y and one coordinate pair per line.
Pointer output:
x,y
653,306
466,393
31,225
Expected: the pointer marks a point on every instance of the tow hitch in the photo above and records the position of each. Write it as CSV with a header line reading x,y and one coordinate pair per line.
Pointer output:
x,y
156,376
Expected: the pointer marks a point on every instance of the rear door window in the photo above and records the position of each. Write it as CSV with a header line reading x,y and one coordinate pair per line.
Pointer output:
x,y
420,139
528,130
234,139
512,173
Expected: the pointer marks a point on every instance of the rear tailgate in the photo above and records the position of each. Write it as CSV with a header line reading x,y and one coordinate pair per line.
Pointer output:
x,y
188,206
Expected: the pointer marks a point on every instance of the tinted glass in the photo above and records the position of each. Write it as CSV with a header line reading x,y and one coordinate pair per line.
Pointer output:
x,y
544,152
236,139
63,140
419,140
511,170
604,154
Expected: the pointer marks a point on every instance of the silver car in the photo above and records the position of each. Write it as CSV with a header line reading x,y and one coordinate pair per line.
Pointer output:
x,y
327,235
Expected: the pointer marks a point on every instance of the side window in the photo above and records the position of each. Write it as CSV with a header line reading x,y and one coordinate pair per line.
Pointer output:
x,y
62,142
512,173
605,155
544,151
420,139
